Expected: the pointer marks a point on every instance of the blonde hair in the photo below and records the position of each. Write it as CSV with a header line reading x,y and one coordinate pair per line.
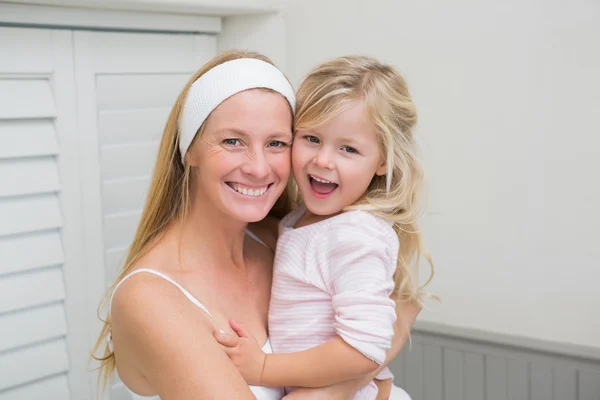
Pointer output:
x,y
396,196
168,199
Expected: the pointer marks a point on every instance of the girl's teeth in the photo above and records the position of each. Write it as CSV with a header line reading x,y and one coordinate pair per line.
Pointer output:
x,y
320,180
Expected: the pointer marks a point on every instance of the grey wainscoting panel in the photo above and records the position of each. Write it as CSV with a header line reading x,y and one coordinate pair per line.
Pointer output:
x,y
445,363
454,378
588,385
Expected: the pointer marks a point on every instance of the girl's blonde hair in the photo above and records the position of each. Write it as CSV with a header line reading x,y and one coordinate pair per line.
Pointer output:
x,y
168,199
396,196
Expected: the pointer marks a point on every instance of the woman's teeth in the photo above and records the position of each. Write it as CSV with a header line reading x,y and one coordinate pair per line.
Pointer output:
x,y
249,191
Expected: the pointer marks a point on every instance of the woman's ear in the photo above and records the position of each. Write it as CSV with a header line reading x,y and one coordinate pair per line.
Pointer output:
x,y
190,159
382,169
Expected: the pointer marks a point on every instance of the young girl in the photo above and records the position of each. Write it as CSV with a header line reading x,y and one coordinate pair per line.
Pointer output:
x,y
354,241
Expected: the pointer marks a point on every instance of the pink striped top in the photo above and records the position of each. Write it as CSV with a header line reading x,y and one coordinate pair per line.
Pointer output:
x,y
334,278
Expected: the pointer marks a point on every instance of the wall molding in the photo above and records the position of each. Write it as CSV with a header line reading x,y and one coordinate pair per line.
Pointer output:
x,y
474,336
221,8
12,14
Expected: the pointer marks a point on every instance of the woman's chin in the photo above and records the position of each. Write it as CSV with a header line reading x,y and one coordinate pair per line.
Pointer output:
x,y
249,212
253,217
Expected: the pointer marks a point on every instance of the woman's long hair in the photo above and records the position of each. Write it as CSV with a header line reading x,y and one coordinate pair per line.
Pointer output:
x,y
167,199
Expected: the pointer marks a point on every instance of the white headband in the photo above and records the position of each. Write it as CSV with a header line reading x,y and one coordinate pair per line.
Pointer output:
x,y
222,82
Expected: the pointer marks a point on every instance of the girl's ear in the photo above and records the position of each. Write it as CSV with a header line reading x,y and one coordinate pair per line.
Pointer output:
x,y
382,169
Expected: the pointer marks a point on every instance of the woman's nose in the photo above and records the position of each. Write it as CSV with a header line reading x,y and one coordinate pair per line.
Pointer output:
x,y
257,165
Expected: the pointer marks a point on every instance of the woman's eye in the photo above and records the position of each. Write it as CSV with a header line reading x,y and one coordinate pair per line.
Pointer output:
x,y
231,142
349,149
277,143
312,139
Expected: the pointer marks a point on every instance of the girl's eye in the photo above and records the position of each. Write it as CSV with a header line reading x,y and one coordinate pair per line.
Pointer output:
x,y
231,142
312,139
349,149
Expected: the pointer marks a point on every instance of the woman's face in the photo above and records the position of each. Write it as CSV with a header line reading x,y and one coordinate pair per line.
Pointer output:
x,y
241,163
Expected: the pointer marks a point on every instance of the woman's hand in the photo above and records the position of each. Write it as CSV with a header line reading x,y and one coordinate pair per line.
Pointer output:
x,y
384,389
244,351
341,391
334,392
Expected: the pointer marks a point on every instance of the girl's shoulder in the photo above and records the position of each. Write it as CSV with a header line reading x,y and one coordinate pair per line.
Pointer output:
x,y
361,221
358,229
357,238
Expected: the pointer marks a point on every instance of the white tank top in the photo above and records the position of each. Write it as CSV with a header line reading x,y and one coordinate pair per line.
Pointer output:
x,y
260,392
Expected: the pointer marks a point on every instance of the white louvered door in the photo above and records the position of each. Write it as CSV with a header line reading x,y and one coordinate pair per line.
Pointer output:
x,y
126,86
81,114
36,123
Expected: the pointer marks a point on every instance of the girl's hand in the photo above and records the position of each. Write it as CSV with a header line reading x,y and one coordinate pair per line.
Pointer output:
x,y
244,351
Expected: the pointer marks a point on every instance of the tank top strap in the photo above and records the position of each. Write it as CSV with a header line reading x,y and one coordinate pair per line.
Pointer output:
x,y
255,237
168,279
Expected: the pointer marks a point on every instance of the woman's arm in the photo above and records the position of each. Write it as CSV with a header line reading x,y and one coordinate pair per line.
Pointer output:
x,y
166,342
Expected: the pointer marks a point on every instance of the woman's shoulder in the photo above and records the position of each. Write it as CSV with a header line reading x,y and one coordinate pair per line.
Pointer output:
x,y
161,335
138,287
147,297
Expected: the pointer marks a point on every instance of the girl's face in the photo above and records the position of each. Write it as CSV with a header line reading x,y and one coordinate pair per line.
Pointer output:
x,y
241,163
335,163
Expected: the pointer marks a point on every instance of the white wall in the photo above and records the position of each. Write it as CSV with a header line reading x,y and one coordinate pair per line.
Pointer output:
x,y
509,99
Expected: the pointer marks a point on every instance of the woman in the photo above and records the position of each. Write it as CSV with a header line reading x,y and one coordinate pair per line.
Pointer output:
x,y
223,163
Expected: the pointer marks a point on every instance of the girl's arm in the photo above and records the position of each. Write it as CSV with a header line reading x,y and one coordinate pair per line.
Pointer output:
x,y
355,263
407,314
329,363
165,344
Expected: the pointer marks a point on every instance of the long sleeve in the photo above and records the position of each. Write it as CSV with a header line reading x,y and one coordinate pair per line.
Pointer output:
x,y
357,259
